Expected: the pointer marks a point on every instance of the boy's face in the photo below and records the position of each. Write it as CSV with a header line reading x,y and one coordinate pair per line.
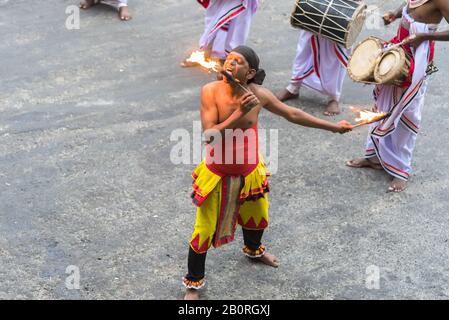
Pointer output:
x,y
237,65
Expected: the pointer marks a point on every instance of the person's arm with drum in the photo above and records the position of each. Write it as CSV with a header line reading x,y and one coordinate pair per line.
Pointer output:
x,y
435,11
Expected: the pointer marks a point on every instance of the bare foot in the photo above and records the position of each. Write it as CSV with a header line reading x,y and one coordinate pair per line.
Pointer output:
x,y
86,4
332,108
269,259
192,294
397,185
364,163
285,95
124,14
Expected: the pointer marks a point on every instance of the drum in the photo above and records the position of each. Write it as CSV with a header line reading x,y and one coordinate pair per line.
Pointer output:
x,y
363,60
338,20
393,67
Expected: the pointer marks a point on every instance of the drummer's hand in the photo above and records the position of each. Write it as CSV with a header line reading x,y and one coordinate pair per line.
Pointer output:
x,y
415,39
389,17
344,126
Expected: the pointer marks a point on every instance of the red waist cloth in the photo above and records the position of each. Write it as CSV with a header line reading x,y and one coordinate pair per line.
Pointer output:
x,y
401,35
204,3
239,152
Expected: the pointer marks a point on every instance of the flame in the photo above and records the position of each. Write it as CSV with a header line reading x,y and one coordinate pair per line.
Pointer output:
x,y
366,116
200,58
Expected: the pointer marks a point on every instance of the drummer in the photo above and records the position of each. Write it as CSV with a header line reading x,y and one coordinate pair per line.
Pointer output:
x,y
390,144
320,64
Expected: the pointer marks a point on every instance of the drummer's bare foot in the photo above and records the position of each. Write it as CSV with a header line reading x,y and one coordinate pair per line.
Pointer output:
x,y
124,14
192,294
285,95
364,163
86,4
269,259
397,185
332,108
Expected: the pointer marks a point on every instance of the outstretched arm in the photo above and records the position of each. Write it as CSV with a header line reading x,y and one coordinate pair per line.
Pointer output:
x,y
300,117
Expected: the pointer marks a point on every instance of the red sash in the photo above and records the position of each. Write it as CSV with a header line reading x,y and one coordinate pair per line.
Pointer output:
x,y
204,3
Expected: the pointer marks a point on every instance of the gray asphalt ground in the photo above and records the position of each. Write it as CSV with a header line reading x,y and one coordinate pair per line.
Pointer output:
x,y
86,180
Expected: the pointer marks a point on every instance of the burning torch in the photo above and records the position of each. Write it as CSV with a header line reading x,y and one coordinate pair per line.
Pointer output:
x,y
368,117
213,66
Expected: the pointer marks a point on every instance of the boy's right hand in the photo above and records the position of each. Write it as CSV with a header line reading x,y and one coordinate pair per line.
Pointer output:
x,y
344,126
248,101
389,17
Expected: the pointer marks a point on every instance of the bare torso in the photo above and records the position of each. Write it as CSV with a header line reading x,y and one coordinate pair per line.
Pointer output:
x,y
227,103
427,13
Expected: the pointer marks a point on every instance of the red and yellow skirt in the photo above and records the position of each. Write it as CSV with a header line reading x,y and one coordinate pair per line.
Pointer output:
x,y
223,201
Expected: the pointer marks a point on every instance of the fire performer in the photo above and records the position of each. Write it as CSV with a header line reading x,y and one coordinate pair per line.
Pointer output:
x,y
390,143
227,25
230,185
120,5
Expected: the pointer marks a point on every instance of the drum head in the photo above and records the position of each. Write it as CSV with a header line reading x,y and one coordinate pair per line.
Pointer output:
x,y
390,66
388,63
364,58
355,27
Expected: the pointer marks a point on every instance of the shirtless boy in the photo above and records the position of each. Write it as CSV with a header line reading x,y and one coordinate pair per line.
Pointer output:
x,y
231,192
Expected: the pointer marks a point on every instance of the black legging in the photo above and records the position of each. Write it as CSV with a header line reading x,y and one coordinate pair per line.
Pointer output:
x,y
197,261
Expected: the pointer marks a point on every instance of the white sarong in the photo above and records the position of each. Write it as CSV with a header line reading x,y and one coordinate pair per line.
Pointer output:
x,y
227,24
393,139
320,64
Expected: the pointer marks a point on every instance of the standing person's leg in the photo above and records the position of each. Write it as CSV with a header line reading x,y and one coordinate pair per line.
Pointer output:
x,y
254,220
334,61
194,280
207,40
217,49
239,29
254,249
396,154
121,6
302,67
201,240
370,160
404,139
123,10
